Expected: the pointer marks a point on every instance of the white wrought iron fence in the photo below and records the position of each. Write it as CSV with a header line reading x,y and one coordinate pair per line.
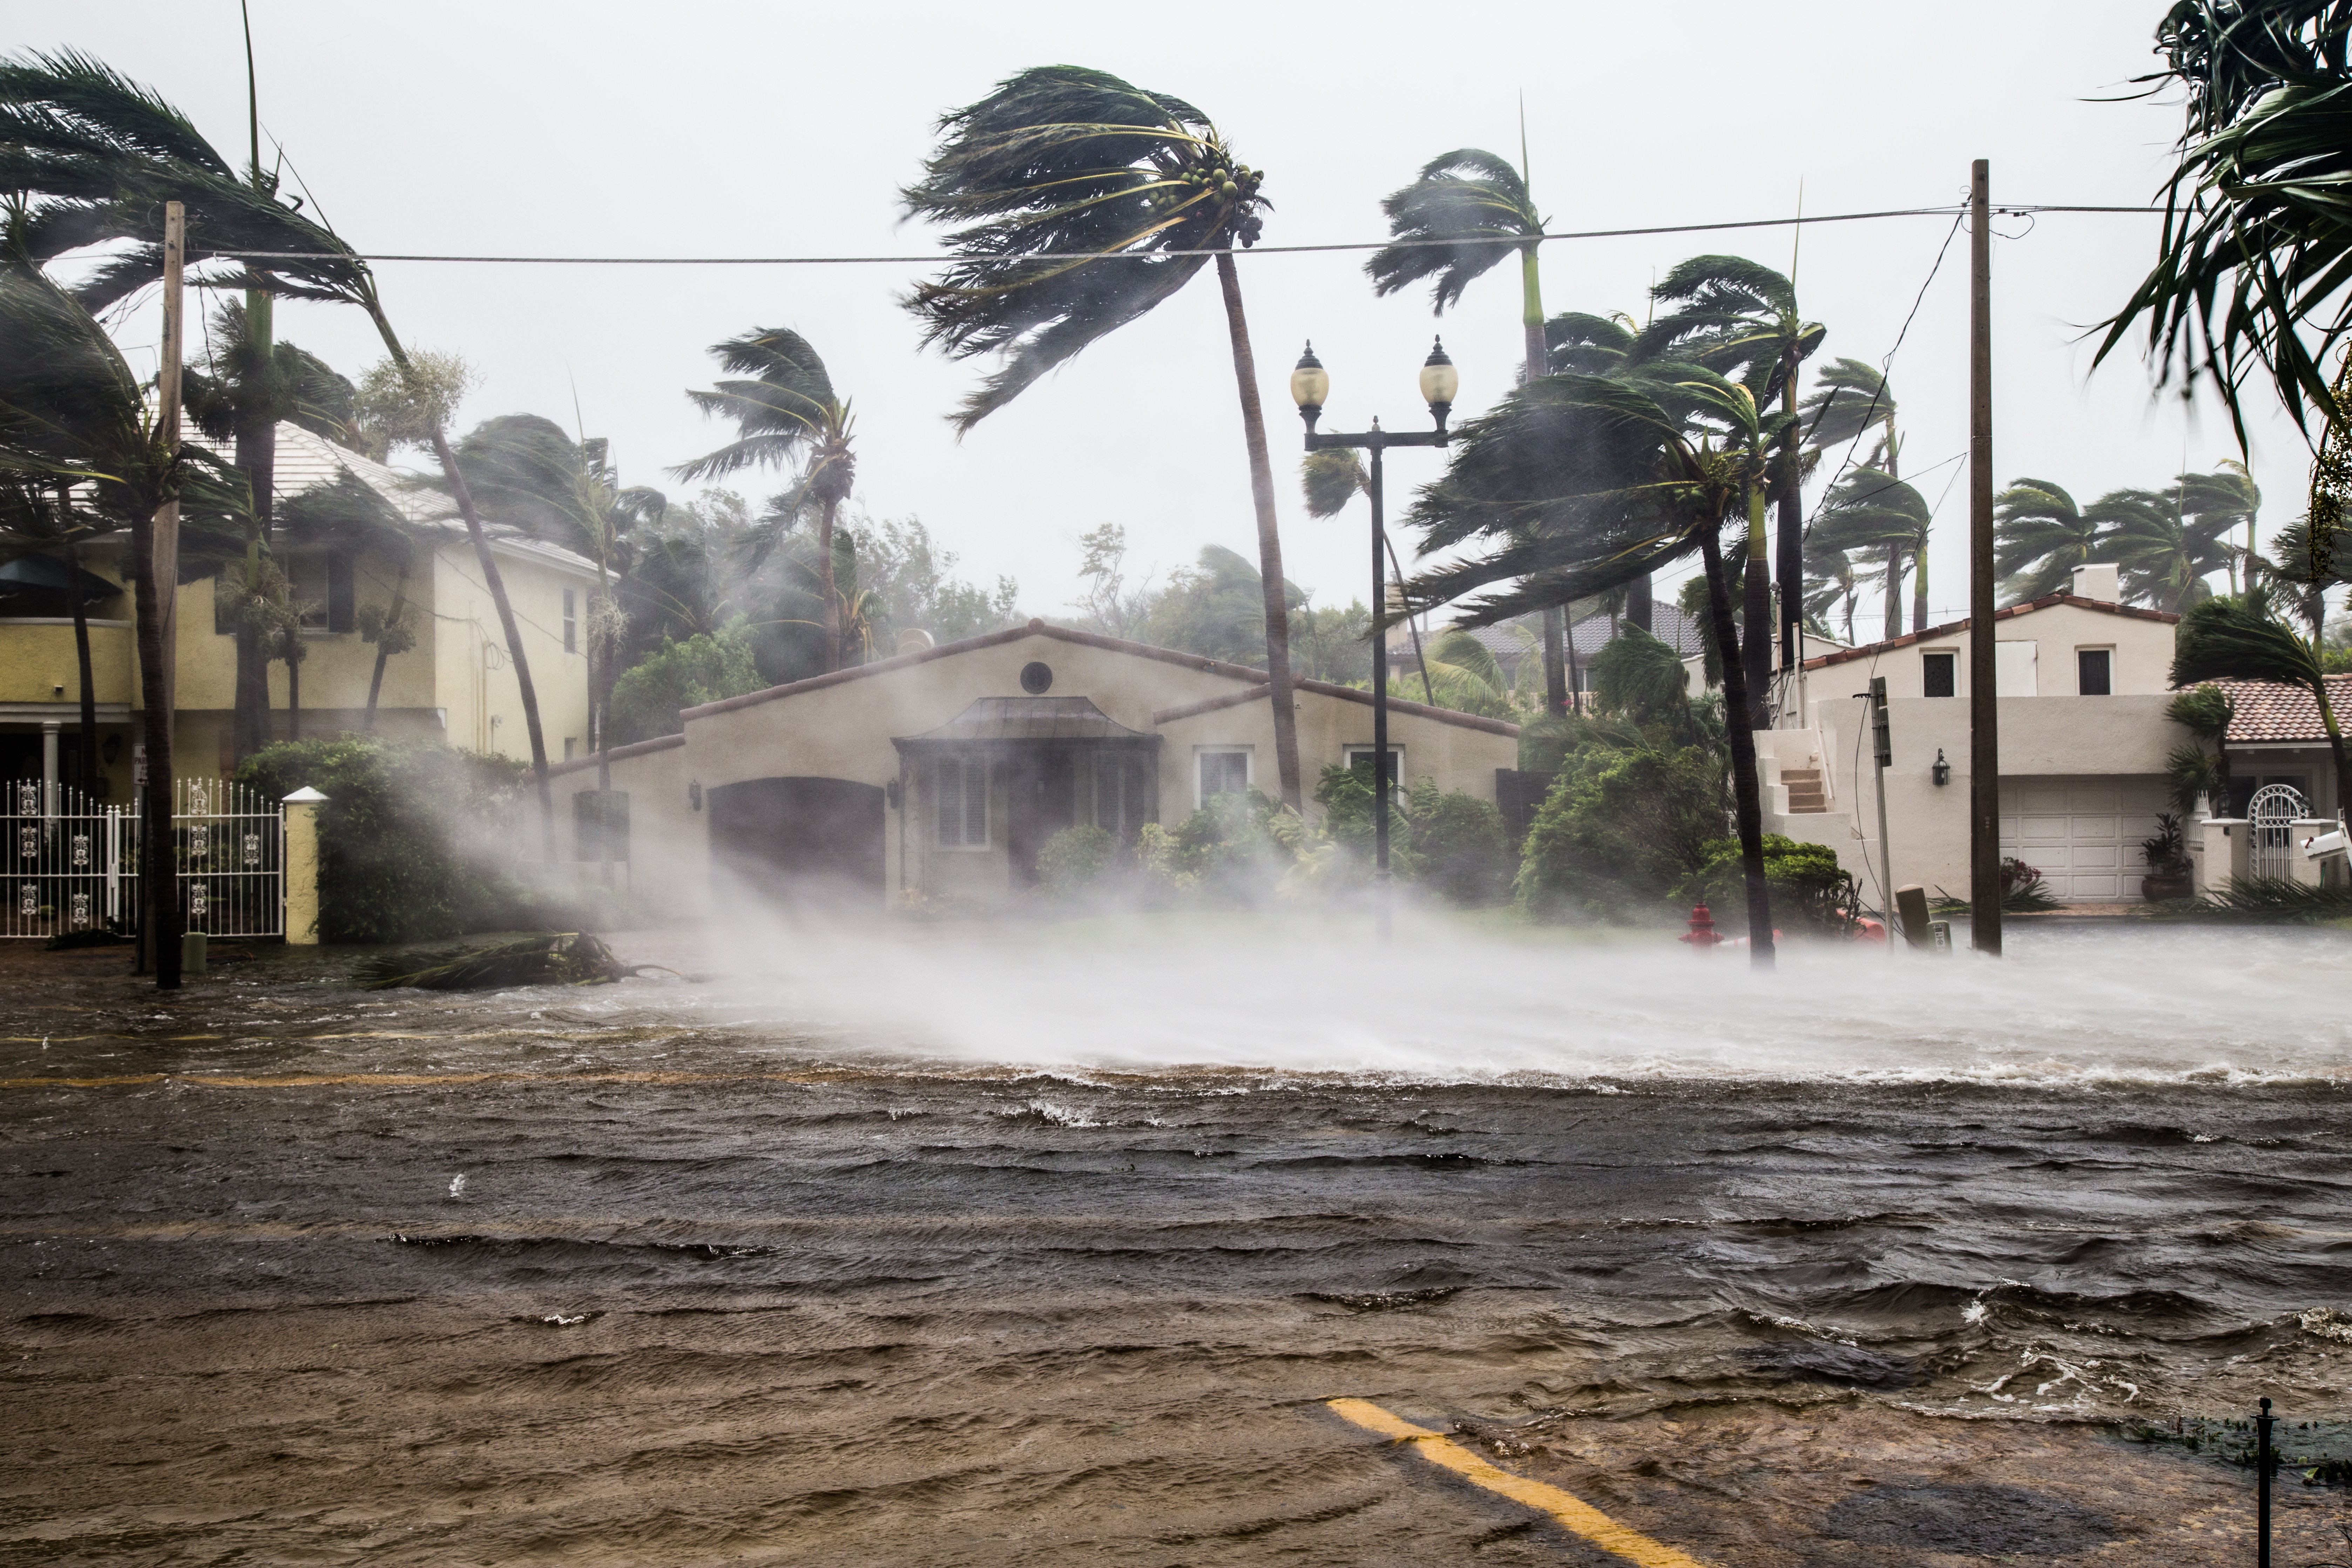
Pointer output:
x,y
2271,850
230,842
72,862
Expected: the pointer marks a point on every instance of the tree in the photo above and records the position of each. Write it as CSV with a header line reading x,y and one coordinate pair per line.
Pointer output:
x,y
1108,603
38,517
1873,514
2166,553
1851,399
2040,536
2221,500
348,515
2255,255
1739,317
2243,640
71,412
95,158
1576,484
1595,345
913,580
247,385
1060,161
1464,212
786,413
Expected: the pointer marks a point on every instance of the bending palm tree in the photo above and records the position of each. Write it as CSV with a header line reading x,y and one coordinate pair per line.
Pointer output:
x,y
2165,554
1061,161
1849,400
2221,500
1738,317
787,413
1868,512
95,157
1457,217
2041,535
1576,485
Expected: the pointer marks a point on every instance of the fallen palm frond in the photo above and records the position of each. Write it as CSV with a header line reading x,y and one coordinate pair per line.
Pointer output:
x,y
2275,900
550,958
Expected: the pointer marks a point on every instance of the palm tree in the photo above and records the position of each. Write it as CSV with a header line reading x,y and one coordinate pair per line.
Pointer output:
x,y
2223,499
2244,639
1869,512
787,413
2166,554
40,518
1831,581
249,384
1062,161
1851,399
1332,478
2041,535
2255,230
1736,316
1595,345
72,413
1577,484
1465,210
95,157
349,515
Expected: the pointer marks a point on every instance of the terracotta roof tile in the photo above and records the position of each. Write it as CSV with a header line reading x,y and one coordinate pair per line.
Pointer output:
x,y
2270,712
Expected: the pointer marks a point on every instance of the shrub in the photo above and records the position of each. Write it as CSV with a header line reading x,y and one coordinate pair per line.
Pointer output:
x,y
1459,845
1620,830
1237,849
703,669
1810,890
1077,860
412,840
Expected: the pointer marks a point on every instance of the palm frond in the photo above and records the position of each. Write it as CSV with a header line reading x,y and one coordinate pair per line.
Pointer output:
x,y
1464,203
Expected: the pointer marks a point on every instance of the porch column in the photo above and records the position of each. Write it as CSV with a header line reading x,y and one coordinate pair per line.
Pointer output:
x,y
49,801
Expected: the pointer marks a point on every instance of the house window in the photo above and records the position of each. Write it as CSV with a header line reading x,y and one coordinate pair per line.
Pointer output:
x,y
571,621
320,581
962,784
1223,771
2095,671
1359,759
342,595
570,747
1120,786
1939,674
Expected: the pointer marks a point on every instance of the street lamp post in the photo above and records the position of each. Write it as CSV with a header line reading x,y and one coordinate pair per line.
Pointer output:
x,y
1310,384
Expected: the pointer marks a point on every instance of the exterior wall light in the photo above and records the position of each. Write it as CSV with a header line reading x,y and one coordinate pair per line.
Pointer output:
x,y
1942,772
694,795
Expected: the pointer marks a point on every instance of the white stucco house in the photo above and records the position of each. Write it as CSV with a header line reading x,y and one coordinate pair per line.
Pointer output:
x,y
942,772
2082,684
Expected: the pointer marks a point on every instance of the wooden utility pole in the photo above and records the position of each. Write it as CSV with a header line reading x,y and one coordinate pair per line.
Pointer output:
x,y
159,591
1984,714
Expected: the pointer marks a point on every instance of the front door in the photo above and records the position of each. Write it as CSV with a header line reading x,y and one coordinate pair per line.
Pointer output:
x,y
1041,800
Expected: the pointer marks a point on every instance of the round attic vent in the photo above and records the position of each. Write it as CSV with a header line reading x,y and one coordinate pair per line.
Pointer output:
x,y
1036,680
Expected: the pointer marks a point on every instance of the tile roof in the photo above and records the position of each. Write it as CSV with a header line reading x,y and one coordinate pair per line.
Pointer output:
x,y
2267,711
1951,628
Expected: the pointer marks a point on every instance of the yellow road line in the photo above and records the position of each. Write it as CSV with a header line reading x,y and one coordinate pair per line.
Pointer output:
x,y
1566,1507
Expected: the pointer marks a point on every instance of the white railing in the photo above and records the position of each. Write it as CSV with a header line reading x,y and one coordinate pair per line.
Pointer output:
x,y
230,842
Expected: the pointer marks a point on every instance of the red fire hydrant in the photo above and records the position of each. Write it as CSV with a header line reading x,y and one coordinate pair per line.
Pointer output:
x,y
1702,934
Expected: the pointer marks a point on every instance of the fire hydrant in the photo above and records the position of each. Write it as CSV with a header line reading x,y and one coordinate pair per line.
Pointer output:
x,y
1702,934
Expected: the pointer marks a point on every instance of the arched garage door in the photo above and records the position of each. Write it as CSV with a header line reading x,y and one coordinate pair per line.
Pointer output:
x,y
802,840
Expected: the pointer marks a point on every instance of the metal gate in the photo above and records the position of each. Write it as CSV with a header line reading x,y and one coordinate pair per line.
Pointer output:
x,y
2269,830
71,862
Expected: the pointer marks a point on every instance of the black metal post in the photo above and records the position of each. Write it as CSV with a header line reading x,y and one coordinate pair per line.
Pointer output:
x,y
1377,441
1379,706
2263,1486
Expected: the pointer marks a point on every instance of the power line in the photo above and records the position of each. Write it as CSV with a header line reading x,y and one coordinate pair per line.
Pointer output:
x,y
939,257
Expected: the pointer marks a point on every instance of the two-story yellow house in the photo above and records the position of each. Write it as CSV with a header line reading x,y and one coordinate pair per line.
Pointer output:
x,y
456,685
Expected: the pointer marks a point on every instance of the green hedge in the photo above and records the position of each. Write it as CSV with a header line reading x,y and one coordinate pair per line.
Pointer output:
x,y
412,838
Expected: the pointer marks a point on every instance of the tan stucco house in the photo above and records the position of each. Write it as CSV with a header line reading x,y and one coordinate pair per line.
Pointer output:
x,y
2083,683
942,772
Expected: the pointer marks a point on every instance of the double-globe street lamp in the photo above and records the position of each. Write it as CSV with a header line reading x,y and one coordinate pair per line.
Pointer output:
x,y
1310,384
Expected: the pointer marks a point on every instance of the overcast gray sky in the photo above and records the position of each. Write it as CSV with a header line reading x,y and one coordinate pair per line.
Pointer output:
x,y
764,129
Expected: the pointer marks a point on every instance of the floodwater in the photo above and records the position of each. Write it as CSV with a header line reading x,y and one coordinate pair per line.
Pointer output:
x,y
1047,1244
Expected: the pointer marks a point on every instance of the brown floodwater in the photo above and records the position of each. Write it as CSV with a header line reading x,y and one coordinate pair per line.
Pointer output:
x,y
943,1249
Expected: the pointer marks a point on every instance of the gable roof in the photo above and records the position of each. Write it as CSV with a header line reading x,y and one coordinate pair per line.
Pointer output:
x,y
2268,712
1250,683
1951,628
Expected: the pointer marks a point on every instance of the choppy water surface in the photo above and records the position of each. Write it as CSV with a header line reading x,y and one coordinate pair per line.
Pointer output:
x,y
1030,1243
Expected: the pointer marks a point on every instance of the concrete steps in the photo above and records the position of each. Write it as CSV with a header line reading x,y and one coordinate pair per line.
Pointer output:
x,y
1807,794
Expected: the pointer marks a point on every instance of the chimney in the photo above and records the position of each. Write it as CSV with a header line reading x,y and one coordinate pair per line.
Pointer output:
x,y
914,639
2097,582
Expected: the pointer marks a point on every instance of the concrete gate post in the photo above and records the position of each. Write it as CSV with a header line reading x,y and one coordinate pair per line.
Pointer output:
x,y
301,872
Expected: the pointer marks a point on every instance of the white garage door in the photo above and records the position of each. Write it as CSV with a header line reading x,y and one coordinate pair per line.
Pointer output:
x,y
2082,834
